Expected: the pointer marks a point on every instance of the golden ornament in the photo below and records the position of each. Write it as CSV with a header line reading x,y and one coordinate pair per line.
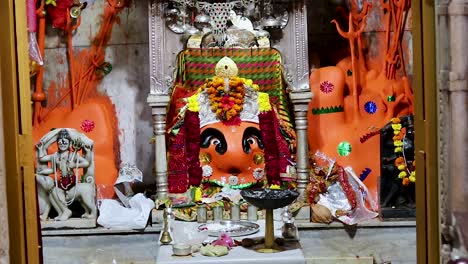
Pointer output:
x,y
258,159
205,157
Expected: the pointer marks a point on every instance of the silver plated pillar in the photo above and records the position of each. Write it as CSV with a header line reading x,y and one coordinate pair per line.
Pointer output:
x,y
158,105
300,100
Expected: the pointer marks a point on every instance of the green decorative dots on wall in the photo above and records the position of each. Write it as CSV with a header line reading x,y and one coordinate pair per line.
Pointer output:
x,y
344,149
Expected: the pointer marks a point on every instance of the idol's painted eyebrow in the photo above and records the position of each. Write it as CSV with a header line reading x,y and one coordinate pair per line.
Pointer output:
x,y
249,133
212,133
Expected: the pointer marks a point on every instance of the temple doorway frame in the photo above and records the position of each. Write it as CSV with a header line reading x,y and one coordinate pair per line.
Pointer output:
x,y
426,127
24,242
18,172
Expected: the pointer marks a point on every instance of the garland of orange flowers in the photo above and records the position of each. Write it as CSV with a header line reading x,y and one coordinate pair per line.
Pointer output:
x,y
406,175
227,106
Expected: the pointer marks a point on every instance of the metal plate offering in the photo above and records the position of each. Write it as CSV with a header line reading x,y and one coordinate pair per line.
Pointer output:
x,y
232,228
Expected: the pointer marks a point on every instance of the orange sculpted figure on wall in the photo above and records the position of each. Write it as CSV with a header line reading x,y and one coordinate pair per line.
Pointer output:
x,y
351,102
76,102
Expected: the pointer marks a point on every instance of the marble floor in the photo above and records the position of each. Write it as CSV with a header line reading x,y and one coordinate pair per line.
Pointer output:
x,y
361,245
370,243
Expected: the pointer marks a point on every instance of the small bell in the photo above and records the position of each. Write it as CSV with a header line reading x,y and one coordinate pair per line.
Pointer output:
x,y
166,236
289,229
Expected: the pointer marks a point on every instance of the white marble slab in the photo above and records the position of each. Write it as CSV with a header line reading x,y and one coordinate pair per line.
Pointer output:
x,y
70,223
393,242
110,249
384,244
341,260
237,255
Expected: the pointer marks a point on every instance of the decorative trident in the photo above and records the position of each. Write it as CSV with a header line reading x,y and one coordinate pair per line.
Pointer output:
x,y
352,35
394,52
359,18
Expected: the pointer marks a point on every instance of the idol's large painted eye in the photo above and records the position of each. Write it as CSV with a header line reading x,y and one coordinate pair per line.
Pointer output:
x,y
251,140
212,136
250,137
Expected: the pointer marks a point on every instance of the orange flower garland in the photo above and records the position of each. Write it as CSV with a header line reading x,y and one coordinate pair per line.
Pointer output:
x,y
227,106
406,175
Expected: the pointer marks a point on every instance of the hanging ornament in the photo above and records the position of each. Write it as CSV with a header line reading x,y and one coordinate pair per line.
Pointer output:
x,y
219,17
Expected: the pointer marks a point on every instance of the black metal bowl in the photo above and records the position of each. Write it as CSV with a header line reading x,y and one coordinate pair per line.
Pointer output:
x,y
268,198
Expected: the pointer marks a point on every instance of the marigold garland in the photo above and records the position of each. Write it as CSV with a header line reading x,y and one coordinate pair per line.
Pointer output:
x,y
264,102
275,187
192,103
227,105
406,175
250,83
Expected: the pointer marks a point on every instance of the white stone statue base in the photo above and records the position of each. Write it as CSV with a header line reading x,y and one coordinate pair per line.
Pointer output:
x,y
70,223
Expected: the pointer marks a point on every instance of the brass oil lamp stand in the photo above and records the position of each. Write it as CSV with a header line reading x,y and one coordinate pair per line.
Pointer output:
x,y
269,200
270,245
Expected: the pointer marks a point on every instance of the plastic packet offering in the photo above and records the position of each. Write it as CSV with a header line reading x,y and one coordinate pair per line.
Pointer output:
x,y
339,190
336,200
323,166
324,172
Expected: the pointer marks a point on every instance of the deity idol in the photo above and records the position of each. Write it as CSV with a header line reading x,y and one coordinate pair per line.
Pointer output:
x,y
228,134
65,164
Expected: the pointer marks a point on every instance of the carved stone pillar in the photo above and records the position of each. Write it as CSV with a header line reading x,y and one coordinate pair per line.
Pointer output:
x,y
160,81
443,65
300,100
458,12
453,88
159,105
293,47
458,92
